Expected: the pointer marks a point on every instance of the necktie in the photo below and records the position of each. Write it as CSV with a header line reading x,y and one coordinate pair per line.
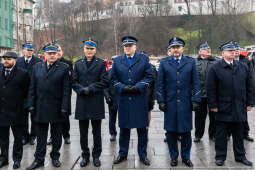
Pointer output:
x,y
26,61
231,65
49,66
7,72
177,61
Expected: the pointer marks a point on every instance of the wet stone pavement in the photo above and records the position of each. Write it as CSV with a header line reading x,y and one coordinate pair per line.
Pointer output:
x,y
202,154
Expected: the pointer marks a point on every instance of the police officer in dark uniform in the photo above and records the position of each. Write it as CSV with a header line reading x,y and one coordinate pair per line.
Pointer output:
x,y
131,75
230,96
49,102
178,90
204,62
89,80
66,124
111,100
14,83
27,62
241,58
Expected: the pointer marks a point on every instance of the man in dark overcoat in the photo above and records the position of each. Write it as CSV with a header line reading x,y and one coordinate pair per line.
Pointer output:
x,y
111,100
178,91
48,100
230,96
204,62
89,80
243,59
14,83
27,62
66,124
131,75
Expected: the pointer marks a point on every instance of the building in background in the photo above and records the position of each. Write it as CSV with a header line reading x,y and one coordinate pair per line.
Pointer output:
x,y
6,25
16,24
23,22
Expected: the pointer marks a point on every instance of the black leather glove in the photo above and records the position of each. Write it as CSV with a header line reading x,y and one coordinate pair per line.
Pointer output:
x,y
162,107
126,89
31,110
64,113
108,100
85,91
134,90
195,106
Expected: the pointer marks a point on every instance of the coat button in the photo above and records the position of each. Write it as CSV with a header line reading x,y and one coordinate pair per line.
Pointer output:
x,y
178,72
129,71
130,98
4,87
129,79
178,82
178,101
178,91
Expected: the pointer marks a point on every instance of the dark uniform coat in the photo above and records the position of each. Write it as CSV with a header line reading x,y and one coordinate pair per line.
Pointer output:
x,y
29,67
177,87
70,70
133,109
110,93
203,66
230,90
49,92
13,91
95,77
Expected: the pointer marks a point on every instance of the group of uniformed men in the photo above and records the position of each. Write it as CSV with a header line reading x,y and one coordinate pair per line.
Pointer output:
x,y
42,89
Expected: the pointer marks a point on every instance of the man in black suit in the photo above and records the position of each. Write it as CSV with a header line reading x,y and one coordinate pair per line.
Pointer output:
x,y
48,101
66,124
89,80
27,62
14,82
230,96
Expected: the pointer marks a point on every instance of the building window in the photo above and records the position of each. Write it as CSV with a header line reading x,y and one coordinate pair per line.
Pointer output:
x,y
0,3
6,4
6,24
0,22
180,8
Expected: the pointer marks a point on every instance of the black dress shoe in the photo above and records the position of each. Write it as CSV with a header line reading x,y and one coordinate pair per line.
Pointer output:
x,y
165,140
3,163
248,138
179,138
67,141
145,161
212,139
219,162
196,140
120,159
113,138
24,141
49,142
84,162
96,162
187,162
245,162
32,140
35,165
56,163
174,162
16,164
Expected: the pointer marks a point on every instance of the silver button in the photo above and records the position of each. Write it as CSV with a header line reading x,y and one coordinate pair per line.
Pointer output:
x,y
178,82
129,71
129,79
130,98
178,72
178,91
178,101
